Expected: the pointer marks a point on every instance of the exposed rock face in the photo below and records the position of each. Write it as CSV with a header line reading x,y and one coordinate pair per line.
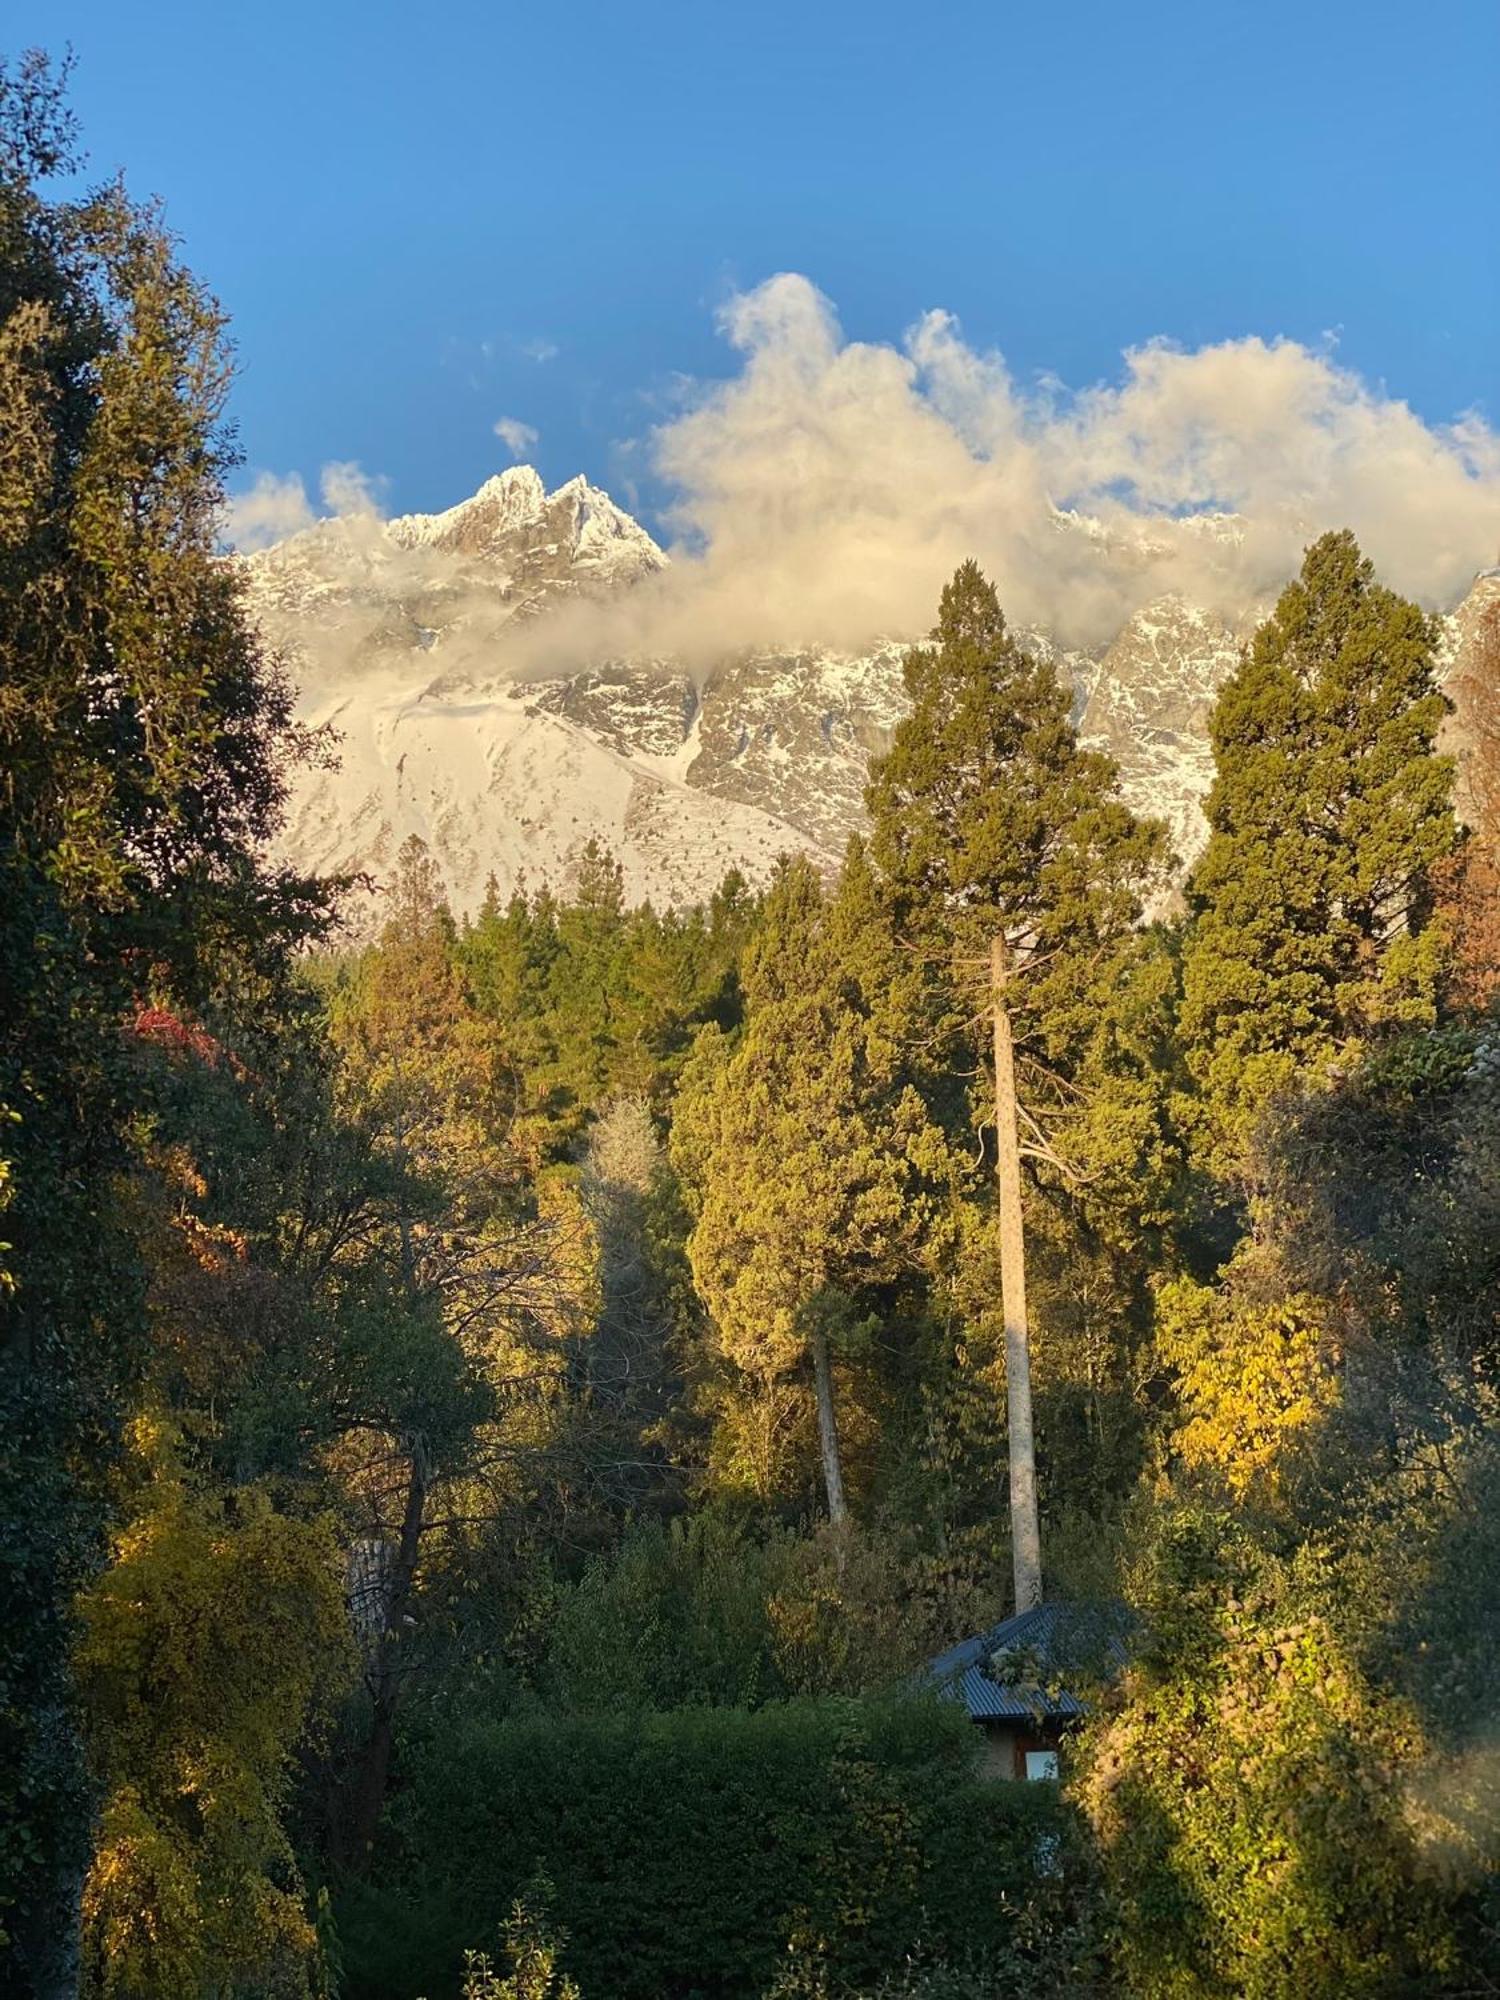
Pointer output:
x,y
634,710
403,634
794,732
1470,664
1149,708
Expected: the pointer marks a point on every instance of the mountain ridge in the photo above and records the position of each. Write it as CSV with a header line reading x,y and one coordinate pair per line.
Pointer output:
x,y
403,635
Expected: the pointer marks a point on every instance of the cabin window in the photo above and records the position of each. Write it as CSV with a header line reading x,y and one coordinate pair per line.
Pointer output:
x,y
1041,1763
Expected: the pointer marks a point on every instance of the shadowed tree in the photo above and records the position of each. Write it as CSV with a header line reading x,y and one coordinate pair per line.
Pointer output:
x,y
144,739
1330,811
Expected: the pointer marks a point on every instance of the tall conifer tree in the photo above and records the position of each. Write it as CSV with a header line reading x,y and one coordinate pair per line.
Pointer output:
x,y
1017,872
1330,810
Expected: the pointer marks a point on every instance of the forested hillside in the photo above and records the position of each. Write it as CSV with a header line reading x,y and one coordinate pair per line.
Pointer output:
x,y
497,1417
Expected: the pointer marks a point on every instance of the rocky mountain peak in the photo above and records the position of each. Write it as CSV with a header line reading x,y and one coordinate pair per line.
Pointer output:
x,y
513,518
506,504
404,634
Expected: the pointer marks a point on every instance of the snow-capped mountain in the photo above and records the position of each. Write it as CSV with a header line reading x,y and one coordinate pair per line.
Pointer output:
x,y
404,635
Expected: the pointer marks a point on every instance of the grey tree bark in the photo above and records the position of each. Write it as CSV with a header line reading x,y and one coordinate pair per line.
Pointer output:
x,y
1026,1540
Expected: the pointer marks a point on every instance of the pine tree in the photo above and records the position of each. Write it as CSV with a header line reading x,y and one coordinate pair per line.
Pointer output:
x,y
1014,868
1312,904
508,956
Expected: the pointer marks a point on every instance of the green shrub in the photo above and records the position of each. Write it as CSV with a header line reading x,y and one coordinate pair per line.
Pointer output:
x,y
532,1948
710,1612
1253,1791
709,1852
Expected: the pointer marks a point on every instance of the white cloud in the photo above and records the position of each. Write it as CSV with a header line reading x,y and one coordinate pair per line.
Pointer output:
x,y
518,438
276,504
272,509
348,489
828,487
540,349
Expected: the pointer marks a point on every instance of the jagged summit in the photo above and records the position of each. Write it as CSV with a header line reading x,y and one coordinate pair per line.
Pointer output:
x,y
514,507
506,501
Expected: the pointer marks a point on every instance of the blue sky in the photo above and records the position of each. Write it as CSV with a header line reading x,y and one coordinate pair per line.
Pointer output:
x,y
425,219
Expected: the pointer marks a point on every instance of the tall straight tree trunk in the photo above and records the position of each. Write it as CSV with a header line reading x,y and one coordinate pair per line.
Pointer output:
x,y
355,1835
828,1431
1025,1532
361,1821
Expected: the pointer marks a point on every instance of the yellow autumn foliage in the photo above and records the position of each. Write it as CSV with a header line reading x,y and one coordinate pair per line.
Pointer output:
x,y
204,1648
1252,1377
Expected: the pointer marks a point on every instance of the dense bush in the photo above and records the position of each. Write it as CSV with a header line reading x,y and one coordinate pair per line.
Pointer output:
x,y
709,1852
1269,1820
709,1611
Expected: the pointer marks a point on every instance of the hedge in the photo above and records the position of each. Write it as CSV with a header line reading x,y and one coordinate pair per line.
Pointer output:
x,y
693,1853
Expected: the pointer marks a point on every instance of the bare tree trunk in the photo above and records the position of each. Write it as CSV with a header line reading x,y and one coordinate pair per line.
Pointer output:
x,y
1025,1532
828,1431
372,1776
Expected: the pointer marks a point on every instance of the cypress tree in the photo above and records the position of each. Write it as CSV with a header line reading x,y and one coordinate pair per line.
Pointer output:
x,y
810,1162
1313,902
1017,873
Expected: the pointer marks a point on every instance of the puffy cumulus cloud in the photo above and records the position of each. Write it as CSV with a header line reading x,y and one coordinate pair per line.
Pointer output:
x,y
276,505
518,438
349,491
273,508
826,489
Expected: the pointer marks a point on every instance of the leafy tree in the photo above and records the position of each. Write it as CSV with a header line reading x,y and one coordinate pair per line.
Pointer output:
x,y
1247,1783
1013,865
472,1264
216,1629
1253,1374
1313,902
145,738
278,1342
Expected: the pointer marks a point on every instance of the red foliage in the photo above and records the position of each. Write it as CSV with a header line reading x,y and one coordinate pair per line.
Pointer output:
x,y
178,1037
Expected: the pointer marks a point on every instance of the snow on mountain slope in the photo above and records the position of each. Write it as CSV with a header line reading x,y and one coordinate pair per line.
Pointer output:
x,y
1149,706
403,634
497,785
799,729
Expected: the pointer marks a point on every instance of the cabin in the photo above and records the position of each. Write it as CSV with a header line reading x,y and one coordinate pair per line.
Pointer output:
x,y
1023,1681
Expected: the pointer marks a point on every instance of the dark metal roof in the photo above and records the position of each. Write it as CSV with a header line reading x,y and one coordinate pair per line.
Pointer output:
x,y
1044,1648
